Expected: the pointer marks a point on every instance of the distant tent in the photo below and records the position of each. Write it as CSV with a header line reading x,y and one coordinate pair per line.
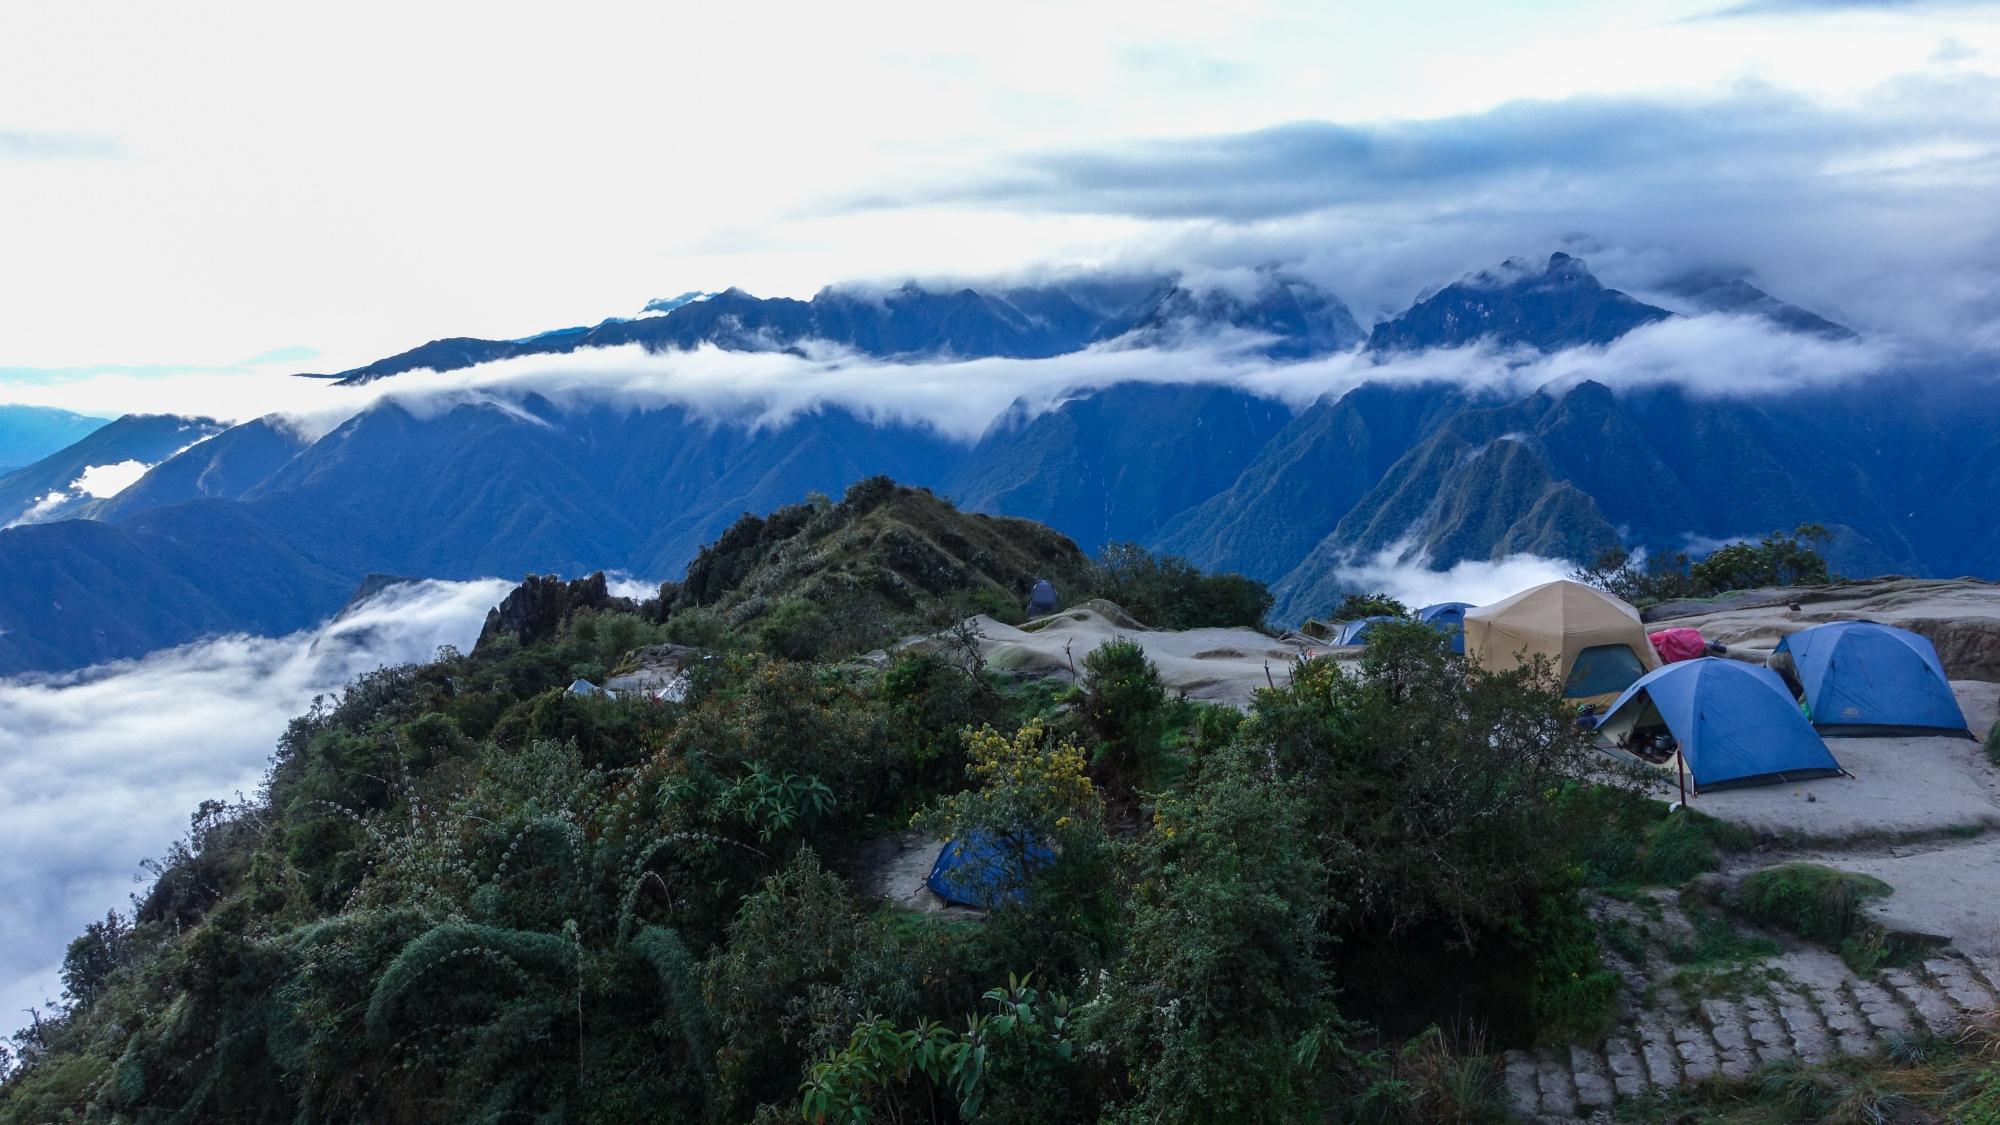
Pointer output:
x,y
586,688
1598,645
1676,645
1863,678
1447,617
1734,724
984,871
1042,599
1356,632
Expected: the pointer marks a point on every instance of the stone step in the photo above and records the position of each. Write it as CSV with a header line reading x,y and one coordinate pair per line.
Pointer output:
x,y
1700,1059
1737,1056
1558,1088
1523,1089
1767,1032
1810,1039
1657,1050
1849,1028
1628,1070
1883,1010
1593,1079
1962,986
1933,1008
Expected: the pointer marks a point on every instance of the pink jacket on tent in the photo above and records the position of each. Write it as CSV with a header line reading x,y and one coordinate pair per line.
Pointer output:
x,y
1676,645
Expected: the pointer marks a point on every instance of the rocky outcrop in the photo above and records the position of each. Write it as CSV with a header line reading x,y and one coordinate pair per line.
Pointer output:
x,y
537,608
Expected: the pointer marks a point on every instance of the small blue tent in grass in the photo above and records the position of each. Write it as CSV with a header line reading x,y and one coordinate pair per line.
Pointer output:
x,y
983,870
1356,632
1864,678
1447,617
1734,724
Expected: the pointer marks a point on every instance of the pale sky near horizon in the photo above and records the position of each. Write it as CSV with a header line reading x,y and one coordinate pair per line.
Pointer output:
x,y
193,186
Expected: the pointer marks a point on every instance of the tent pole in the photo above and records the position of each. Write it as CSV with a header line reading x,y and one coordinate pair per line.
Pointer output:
x,y
1681,768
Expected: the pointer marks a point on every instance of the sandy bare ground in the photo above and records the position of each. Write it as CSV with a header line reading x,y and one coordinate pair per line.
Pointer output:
x,y
1215,665
1900,786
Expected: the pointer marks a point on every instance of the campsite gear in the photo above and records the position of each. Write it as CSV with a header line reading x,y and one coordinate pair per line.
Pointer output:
x,y
1596,641
1447,617
983,870
586,688
1861,678
1042,599
1356,632
1676,645
1731,724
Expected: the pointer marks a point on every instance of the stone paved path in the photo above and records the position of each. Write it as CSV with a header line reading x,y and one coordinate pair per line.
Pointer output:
x,y
1803,1004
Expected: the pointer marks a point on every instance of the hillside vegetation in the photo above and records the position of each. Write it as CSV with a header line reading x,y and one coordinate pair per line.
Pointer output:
x,y
467,895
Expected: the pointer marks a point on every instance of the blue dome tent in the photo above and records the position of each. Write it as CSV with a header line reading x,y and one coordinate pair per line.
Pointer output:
x,y
1730,724
1356,632
984,871
1447,617
1862,678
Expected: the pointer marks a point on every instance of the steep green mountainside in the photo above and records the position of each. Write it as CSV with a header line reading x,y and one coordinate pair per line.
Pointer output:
x,y
864,566
467,894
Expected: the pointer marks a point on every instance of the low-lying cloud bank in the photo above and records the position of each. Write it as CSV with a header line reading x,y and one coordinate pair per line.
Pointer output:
x,y
102,768
1715,355
1413,582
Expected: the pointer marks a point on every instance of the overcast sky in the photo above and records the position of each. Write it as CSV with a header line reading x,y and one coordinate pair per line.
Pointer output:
x,y
202,185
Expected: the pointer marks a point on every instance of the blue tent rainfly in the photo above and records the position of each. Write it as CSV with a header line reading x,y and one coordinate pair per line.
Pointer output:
x,y
1862,678
1447,617
983,870
1730,724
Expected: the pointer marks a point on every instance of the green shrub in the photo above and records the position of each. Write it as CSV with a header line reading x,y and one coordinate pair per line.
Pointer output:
x,y
1122,709
1168,592
795,630
1993,745
1354,607
1816,903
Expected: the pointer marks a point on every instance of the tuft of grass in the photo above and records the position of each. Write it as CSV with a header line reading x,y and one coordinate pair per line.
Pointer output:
x,y
1815,902
1686,844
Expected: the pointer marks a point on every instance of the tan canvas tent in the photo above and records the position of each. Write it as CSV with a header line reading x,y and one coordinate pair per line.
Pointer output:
x,y
1597,641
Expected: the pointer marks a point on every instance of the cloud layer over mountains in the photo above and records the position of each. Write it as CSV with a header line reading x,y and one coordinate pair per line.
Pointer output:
x,y
102,768
1716,354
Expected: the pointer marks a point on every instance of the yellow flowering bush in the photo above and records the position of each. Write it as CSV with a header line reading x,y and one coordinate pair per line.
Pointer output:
x,y
1026,785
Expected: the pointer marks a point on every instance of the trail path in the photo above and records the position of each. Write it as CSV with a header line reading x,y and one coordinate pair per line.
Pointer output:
x,y
1804,1004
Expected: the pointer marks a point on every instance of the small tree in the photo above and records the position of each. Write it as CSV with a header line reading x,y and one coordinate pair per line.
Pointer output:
x,y
1776,560
1123,708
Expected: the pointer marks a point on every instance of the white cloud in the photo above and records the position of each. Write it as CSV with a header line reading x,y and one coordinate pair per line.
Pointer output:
x,y
1413,582
101,481
101,768
1717,355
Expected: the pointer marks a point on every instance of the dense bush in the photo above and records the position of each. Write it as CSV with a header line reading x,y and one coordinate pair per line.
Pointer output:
x,y
1354,607
1168,592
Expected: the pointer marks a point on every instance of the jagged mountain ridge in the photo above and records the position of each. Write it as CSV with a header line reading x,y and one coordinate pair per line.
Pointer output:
x,y
1561,305
911,321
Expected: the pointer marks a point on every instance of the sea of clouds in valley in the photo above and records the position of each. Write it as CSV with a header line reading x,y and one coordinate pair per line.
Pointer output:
x,y
101,769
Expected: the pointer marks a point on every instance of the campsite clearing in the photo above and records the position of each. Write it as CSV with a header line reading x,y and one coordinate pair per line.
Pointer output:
x,y
1213,665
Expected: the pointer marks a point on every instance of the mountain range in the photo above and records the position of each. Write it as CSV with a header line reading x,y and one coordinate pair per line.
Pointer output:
x,y
261,528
